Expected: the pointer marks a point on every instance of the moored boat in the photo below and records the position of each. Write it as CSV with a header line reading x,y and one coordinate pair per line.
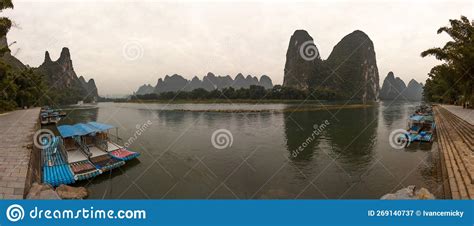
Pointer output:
x,y
82,151
421,126
49,116
105,142
44,119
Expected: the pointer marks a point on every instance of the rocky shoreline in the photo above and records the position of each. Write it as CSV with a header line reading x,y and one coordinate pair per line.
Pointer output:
x,y
47,192
410,192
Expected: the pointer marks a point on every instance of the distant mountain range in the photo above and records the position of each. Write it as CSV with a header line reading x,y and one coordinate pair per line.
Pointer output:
x,y
394,88
209,82
350,71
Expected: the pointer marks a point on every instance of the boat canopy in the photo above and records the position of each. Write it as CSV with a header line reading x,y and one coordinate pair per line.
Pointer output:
x,y
82,129
101,126
420,118
416,117
68,131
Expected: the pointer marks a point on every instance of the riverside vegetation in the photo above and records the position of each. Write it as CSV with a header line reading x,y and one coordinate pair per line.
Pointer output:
x,y
453,81
254,92
18,86
52,83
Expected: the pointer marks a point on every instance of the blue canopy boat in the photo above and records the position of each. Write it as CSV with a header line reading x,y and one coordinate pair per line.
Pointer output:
x,y
49,116
420,128
56,169
83,151
102,140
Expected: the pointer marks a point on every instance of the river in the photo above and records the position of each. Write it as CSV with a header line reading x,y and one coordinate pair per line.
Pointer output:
x,y
276,153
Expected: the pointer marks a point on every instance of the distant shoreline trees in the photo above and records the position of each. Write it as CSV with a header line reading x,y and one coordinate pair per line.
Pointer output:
x,y
453,81
278,92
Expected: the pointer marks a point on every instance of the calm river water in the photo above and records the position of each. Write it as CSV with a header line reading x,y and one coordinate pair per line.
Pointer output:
x,y
349,158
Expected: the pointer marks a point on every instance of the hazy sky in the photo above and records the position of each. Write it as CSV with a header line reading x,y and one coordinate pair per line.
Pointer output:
x,y
124,44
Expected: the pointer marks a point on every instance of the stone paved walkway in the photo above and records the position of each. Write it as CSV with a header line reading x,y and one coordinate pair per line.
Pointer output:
x,y
16,132
456,146
463,113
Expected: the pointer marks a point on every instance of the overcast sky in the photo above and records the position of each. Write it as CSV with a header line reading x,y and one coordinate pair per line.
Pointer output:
x,y
124,44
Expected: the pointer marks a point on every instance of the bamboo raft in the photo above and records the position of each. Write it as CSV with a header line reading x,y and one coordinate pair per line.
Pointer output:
x,y
83,151
56,170
421,127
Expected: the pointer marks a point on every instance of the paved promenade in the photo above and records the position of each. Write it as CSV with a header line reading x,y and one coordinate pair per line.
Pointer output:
x,y
456,143
466,114
16,132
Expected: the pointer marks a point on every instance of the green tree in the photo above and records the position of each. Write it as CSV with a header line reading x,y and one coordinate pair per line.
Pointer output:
x,y
19,87
453,81
5,23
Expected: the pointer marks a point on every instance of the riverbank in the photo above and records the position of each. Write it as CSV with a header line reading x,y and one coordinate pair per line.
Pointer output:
x,y
290,109
16,152
463,113
237,101
254,106
456,142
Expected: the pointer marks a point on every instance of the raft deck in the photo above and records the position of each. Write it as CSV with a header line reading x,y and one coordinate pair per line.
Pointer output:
x,y
82,161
